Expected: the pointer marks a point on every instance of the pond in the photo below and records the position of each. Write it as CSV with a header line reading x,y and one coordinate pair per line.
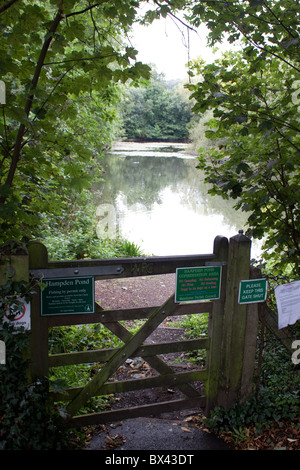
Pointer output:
x,y
154,196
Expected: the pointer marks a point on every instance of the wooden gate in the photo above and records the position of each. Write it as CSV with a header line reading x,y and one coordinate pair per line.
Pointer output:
x,y
230,342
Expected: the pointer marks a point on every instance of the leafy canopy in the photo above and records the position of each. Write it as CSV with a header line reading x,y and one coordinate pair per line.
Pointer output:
x,y
155,112
61,62
253,95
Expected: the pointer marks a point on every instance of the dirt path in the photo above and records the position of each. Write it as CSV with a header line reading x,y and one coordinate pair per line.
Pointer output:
x,y
133,292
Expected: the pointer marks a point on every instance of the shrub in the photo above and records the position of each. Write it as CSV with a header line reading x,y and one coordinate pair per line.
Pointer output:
x,y
28,419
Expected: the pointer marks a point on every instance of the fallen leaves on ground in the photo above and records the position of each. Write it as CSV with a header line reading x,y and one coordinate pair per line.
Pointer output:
x,y
114,441
186,429
278,436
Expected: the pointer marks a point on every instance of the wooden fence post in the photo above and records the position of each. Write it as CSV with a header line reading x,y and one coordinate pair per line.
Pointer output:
x,y
215,329
38,259
250,345
14,266
235,323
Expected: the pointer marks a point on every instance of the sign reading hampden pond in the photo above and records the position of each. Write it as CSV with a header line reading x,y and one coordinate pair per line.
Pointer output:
x,y
68,295
201,283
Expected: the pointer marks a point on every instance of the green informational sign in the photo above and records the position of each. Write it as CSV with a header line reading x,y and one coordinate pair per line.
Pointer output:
x,y
252,291
201,283
68,295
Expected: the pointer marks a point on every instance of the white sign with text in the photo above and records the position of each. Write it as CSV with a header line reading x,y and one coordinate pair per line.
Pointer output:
x,y
288,303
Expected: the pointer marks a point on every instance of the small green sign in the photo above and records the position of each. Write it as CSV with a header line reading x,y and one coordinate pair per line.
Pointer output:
x,y
252,291
68,295
200,283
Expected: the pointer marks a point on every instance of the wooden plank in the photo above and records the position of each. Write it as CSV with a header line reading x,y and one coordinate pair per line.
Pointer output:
x,y
118,358
215,328
250,348
234,326
144,410
101,315
38,257
134,267
103,355
193,308
169,380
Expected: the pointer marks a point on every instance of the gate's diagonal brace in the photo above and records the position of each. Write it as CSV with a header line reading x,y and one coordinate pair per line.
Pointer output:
x,y
120,356
154,361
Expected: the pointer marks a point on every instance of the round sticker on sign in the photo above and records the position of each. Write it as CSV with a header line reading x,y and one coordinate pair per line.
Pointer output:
x,y
19,318
12,316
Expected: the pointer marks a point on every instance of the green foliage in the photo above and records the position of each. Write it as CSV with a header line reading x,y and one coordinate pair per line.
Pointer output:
x,y
28,419
72,338
196,326
198,128
267,27
82,338
155,112
252,96
277,398
61,63
73,233
131,249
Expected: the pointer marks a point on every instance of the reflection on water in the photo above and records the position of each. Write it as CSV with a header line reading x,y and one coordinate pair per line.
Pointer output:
x,y
160,201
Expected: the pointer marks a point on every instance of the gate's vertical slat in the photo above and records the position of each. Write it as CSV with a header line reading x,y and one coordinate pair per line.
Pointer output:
x,y
215,329
250,342
235,321
38,258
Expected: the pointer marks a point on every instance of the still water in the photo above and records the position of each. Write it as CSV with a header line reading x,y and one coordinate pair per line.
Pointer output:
x,y
154,196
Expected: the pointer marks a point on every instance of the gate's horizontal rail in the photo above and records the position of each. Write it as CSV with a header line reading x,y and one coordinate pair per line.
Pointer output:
x,y
168,380
122,267
123,314
102,355
136,411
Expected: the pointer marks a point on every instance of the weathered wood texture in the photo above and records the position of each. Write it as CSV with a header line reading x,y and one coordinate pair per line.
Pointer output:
x,y
235,322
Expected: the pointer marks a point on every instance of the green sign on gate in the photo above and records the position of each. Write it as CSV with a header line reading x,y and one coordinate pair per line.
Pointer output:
x,y
200,283
252,291
68,295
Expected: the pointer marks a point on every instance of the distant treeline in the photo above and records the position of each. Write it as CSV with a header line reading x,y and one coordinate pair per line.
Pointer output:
x,y
157,112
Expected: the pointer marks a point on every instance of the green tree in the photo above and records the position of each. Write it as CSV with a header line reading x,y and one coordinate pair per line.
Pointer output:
x,y
253,98
61,62
155,112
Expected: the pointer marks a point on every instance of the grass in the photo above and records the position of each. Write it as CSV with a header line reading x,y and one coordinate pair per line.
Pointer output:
x,y
196,326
